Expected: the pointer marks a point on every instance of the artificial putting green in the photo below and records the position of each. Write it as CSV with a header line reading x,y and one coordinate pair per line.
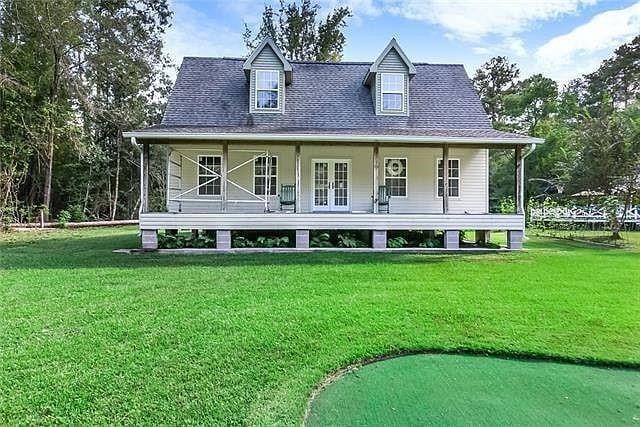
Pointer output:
x,y
475,390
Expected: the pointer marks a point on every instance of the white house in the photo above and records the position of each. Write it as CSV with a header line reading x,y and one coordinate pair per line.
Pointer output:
x,y
265,143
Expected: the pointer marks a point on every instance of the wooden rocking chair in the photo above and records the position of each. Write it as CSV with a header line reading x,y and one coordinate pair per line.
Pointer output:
x,y
383,199
287,197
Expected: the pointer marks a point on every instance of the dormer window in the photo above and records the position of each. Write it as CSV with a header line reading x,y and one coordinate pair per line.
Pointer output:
x,y
267,89
392,92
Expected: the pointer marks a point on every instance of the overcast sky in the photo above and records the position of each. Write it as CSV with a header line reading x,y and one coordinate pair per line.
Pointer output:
x,y
559,38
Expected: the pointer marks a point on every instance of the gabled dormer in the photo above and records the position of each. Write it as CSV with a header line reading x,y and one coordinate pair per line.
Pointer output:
x,y
388,78
268,72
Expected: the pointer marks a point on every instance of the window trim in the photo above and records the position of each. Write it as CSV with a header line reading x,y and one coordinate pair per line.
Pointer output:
x,y
198,174
406,177
459,178
253,185
401,92
255,91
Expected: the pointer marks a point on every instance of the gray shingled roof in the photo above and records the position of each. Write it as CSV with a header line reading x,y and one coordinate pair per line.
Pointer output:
x,y
212,95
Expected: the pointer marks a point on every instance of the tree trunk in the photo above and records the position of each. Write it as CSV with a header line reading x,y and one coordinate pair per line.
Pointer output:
x,y
48,174
117,181
53,96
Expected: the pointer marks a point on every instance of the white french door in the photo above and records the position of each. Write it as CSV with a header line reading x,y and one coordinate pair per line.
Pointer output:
x,y
331,185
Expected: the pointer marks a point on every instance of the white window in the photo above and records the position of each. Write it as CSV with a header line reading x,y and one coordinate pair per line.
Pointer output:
x,y
454,178
395,177
267,89
392,92
209,170
260,176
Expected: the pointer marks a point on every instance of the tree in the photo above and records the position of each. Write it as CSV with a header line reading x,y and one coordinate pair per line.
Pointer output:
x,y
533,100
298,33
73,76
39,39
494,80
125,67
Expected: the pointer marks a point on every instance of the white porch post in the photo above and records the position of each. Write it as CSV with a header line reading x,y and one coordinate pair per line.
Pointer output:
x,y
144,178
519,180
298,180
149,238
224,168
376,175
445,179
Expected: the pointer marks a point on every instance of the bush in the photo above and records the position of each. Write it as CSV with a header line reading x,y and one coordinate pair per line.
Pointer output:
x,y
63,218
261,242
77,213
320,240
350,240
507,205
397,242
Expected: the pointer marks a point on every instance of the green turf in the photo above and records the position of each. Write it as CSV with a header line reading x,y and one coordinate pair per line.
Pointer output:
x,y
89,336
470,390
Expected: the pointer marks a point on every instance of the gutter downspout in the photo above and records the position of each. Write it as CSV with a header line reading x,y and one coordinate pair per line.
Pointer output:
x,y
527,154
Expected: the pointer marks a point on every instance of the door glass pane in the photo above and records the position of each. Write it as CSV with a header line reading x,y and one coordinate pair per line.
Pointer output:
x,y
321,184
341,184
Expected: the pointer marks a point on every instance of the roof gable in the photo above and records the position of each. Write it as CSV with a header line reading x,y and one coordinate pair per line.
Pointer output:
x,y
393,45
268,42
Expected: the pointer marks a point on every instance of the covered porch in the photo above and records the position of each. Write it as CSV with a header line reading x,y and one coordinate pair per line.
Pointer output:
x,y
361,202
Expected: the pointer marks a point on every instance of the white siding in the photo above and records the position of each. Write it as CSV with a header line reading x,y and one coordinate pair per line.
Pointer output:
x,y
284,221
243,176
421,172
266,60
392,63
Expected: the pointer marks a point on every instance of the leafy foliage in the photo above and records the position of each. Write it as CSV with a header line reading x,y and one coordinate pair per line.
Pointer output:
x,y
299,34
261,242
320,240
397,242
63,218
73,76
350,240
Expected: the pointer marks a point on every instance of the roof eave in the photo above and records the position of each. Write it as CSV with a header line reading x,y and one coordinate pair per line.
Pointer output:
x,y
266,137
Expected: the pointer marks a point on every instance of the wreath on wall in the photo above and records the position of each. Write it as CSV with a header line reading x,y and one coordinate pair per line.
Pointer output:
x,y
395,167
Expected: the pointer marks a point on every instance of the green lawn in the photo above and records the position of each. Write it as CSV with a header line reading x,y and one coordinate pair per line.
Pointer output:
x,y
91,336
460,390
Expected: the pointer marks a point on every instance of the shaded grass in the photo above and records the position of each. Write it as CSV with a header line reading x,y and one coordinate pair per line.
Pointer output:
x,y
458,390
92,336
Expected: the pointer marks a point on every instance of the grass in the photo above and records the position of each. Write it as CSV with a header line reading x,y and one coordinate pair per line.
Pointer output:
x,y
89,336
461,390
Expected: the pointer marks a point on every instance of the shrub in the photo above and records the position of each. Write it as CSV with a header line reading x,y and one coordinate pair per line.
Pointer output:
x,y
397,242
507,205
63,218
261,242
320,240
350,240
77,213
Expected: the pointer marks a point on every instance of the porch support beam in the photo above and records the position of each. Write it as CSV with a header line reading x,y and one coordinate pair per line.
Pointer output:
x,y
452,239
302,239
149,239
445,179
379,239
514,239
223,239
224,167
298,180
376,176
519,180
144,178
